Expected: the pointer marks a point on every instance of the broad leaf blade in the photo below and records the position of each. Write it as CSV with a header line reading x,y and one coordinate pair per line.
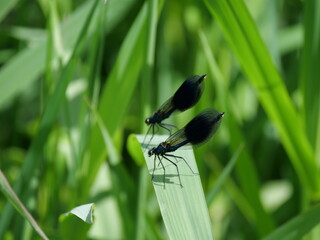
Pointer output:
x,y
184,209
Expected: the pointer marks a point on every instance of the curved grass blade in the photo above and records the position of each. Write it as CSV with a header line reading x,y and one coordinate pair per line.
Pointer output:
x,y
309,82
297,227
113,104
245,168
117,172
14,200
30,61
54,102
226,172
244,38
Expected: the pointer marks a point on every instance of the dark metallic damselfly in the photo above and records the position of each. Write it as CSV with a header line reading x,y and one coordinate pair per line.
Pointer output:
x,y
197,131
187,95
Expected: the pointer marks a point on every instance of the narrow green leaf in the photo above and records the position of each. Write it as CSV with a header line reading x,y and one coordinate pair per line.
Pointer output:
x,y
55,32
124,76
310,72
6,6
54,102
244,168
112,152
148,69
119,176
290,38
242,34
133,147
225,174
31,35
248,210
117,93
184,209
140,223
297,227
31,61
14,200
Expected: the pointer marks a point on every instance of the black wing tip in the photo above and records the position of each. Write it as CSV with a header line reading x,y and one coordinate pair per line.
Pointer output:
x,y
220,116
196,78
212,114
201,78
212,111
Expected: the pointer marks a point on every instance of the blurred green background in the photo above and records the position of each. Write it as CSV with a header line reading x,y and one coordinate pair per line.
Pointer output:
x,y
66,65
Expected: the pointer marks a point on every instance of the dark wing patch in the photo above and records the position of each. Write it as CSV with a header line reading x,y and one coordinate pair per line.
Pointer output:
x,y
166,109
189,93
203,126
176,138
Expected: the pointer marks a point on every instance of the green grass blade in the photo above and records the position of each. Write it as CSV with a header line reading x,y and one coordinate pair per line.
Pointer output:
x,y
140,226
225,174
124,75
147,76
30,64
14,200
310,72
242,34
118,174
184,210
113,156
54,102
6,6
244,168
309,82
290,39
117,93
297,227
24,68
30,35
148,69
133,146
236,194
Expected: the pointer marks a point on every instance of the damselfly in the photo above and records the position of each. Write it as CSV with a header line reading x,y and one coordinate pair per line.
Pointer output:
x,y
187,95
197,131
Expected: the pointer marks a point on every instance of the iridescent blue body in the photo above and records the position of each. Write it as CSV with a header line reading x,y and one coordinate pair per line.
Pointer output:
x,y
159,116
164,148
197,131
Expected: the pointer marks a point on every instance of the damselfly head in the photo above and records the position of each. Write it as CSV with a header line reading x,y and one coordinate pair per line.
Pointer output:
x,y
147,121
151,151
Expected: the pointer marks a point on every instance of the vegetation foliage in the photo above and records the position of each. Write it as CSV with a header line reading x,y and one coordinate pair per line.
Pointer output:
x,y
78,79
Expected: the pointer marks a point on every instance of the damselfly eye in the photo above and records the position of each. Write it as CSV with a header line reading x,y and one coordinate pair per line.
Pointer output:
x,y
147,121
151,152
